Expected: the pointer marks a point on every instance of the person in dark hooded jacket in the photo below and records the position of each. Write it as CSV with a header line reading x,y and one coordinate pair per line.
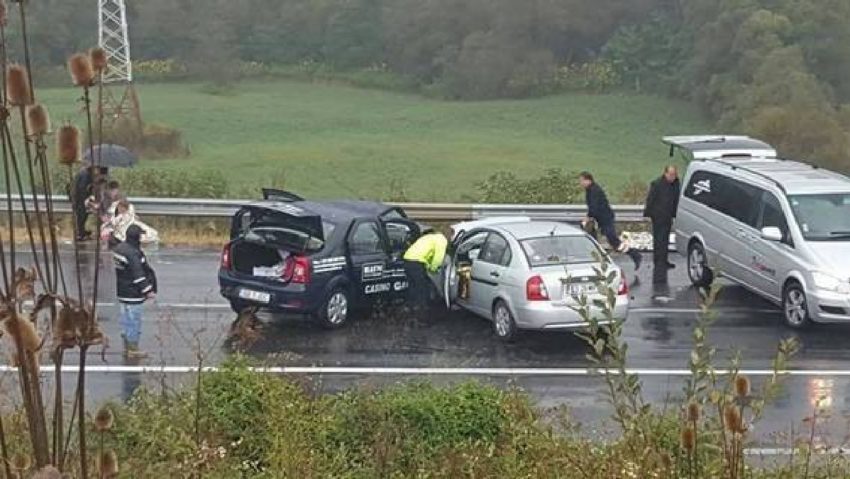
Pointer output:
x,y
135,283
600,210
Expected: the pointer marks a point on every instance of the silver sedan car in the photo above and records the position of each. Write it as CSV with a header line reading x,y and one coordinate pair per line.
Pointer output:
x,y
523,274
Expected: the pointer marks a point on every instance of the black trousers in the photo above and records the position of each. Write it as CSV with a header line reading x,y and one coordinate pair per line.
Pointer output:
x,y
660,250
81,215
418,284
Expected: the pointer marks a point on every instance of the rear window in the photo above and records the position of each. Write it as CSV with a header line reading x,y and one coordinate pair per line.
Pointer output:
x,y
286,238
557,250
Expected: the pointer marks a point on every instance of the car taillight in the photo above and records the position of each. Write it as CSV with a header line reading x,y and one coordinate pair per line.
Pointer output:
x,y
624,285
226,261
297,270
535,289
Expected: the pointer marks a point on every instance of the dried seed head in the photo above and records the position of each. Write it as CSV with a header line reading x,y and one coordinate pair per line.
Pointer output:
x,y
742,386
108,464
82,72
38,120
65,331
24,333
21,462
99,59
689,439
18,86
4,13
103,419
68,144
48,472
693,412
732,420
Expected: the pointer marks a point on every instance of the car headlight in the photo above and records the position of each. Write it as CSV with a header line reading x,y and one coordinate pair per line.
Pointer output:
x,y
831,283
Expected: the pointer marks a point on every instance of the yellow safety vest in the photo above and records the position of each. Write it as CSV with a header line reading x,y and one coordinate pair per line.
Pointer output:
x,y
430,250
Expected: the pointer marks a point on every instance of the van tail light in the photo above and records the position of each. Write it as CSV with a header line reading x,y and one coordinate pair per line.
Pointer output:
x,y
226,257
624,285
535,289
297,270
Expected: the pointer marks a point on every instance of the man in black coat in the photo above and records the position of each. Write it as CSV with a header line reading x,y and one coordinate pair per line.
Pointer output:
x,y
81,190
136,283
600,210
661,204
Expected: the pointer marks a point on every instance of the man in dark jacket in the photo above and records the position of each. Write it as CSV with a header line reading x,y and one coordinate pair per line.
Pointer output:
x,y
81,190
661,204
600,210
136,283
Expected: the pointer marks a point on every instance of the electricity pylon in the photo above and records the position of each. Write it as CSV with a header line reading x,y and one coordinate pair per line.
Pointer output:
x,y
120,101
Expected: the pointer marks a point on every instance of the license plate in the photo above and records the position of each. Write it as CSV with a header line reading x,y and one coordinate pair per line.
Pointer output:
x,y
255,295
581,289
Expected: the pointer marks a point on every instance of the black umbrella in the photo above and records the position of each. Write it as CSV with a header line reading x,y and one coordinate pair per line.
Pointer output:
x,y
110,156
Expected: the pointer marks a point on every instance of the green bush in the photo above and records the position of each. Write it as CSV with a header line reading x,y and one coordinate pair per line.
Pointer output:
x,y
176,183
553,187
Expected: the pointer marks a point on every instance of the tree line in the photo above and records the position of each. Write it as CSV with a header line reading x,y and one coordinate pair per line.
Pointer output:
x,y
776,68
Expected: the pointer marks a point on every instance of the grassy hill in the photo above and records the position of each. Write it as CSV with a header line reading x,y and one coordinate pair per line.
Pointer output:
x,y
330,140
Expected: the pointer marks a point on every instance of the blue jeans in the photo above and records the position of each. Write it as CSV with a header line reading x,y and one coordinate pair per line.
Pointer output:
x,y
131,321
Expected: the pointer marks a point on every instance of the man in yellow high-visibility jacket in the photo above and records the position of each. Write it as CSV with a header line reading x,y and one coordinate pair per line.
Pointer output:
x,y
424,256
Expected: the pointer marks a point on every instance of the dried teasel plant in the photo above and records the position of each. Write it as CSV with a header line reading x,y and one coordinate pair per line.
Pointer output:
x,y
4,13
693,412
742,386
99,59
732,419
108,465
17,86
68,145
38,120
81,69
104,419
48,472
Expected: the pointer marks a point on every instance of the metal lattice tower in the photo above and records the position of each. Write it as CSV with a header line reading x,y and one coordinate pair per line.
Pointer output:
x,y
114,38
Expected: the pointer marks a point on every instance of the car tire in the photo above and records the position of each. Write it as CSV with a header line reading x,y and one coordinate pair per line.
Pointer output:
x,y
335,310
699,272
795,306
503,322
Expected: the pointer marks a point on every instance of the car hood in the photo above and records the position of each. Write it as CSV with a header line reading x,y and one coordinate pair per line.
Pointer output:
x,y
832,256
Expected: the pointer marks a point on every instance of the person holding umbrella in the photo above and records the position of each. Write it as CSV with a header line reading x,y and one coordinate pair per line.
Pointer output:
x,y
81,191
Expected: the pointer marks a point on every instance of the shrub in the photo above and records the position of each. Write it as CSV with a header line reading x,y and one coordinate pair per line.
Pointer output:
x,y
553,187
595,77
177,183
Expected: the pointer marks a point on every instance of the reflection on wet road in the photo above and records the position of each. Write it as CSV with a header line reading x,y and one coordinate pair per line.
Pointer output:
x,y
190,317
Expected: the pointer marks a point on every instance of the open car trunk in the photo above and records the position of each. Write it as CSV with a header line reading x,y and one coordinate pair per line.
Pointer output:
x,y
259,260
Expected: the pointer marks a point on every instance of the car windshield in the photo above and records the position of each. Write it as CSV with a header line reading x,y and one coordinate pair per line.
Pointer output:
x,y
823,217
557,250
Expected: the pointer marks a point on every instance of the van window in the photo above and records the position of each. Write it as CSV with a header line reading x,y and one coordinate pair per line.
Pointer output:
x,y
725,195
822,217
772,215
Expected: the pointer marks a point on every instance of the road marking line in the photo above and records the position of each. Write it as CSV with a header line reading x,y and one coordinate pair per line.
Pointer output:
x,y
178,305
697,310
785,451
413,371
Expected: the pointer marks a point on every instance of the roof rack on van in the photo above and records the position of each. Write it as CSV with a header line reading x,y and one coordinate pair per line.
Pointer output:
x,y
736,166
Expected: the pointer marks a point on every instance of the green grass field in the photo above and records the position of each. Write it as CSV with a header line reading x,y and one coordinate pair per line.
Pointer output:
x,y
337,141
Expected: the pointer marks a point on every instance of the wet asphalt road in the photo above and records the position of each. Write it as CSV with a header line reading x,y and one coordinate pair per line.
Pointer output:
x,y
189,316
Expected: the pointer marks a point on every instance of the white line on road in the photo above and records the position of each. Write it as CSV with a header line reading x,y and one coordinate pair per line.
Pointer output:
x,y
697,311
178,305
412,371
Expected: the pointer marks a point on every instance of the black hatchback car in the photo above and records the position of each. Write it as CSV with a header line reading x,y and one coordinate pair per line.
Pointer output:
x,y
290,255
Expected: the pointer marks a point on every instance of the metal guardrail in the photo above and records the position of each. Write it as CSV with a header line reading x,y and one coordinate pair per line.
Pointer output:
x,y
204,208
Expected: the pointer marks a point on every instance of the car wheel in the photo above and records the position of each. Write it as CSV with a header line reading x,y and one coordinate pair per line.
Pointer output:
x,y
795,307
503,322
336,310
699,272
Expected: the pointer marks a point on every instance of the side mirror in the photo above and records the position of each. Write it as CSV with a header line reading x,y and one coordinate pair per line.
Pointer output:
x,y
771,233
